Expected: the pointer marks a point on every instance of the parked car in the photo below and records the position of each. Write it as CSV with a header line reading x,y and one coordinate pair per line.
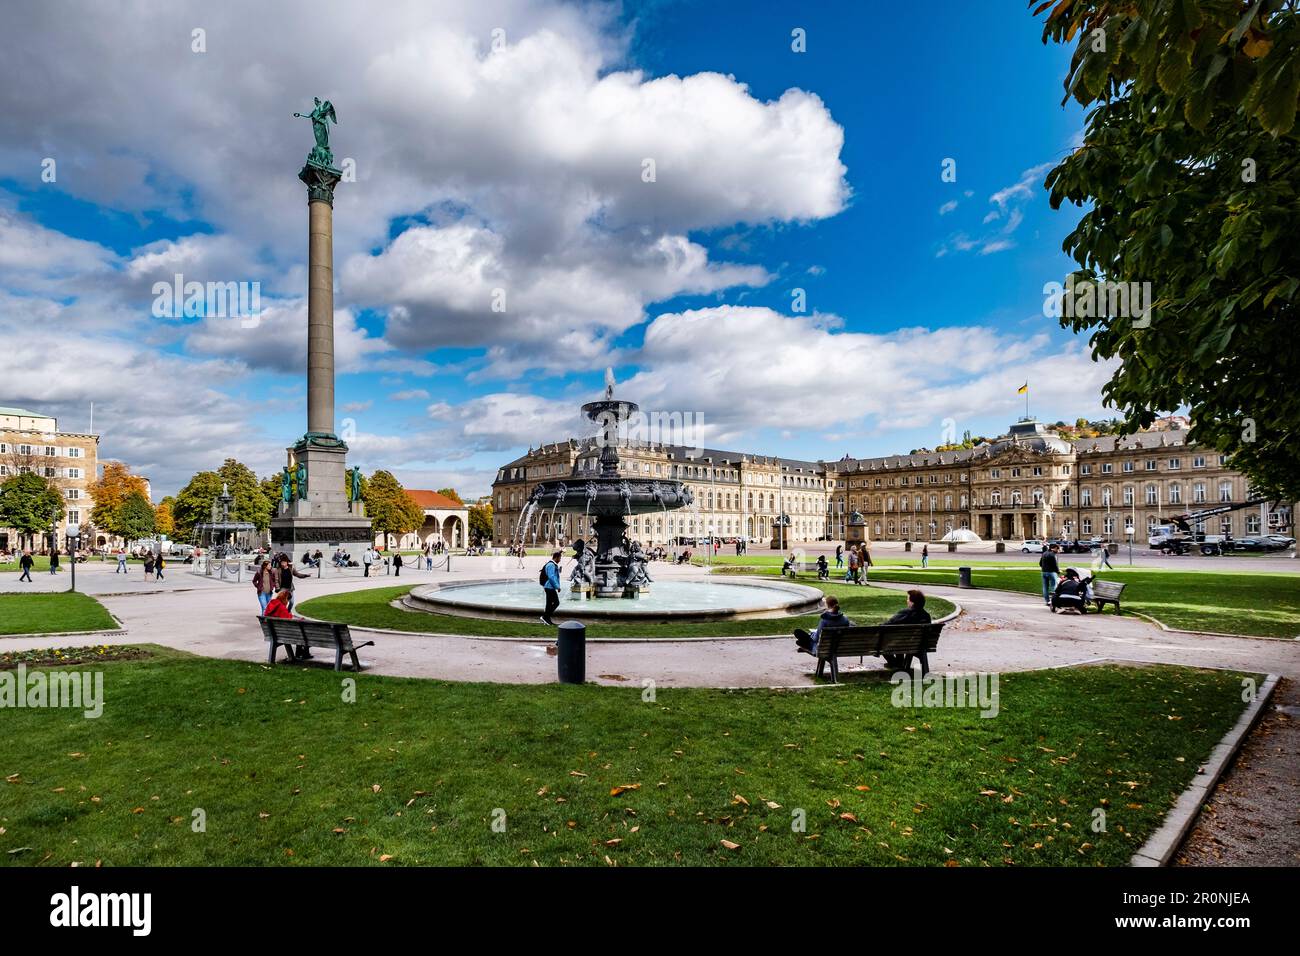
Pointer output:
x,y
1032,546
1281,539
1252,543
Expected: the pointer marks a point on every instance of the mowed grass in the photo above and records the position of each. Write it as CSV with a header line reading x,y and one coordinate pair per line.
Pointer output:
x,y
281,770
371,608
1248,603
52,612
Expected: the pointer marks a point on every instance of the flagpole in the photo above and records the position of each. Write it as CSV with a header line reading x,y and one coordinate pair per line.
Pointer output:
x,y
1026,399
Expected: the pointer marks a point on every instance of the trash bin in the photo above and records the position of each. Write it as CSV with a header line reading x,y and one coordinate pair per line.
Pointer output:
x,y
571,656
952,545
963,578
1000,547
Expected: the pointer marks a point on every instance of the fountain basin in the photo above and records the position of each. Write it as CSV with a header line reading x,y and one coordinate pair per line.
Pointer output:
x,y
673,601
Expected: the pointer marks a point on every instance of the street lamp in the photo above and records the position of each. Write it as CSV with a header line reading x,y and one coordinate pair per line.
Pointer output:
x,y
1128,532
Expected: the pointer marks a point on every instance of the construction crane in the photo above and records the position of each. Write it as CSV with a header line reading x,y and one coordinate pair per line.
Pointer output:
x,y
1175,535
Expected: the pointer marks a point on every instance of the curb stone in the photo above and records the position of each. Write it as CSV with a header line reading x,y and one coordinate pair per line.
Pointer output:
x,y
1164,843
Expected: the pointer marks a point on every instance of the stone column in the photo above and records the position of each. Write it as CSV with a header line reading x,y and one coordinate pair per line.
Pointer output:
x,y
320,182
320,318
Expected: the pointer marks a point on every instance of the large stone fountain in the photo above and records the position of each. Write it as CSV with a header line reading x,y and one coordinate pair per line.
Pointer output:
x,y
612,567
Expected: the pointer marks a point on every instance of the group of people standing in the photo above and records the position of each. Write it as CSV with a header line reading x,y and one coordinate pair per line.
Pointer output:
x,y
859,561
273,582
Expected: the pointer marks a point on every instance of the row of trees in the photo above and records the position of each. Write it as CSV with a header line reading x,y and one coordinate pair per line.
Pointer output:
x,y
32,504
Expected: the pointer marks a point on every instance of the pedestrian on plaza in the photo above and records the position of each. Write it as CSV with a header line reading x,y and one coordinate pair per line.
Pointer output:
x,y
1051,569
121,562
26,562
54,561
1104,558
866,562
925,555
367,559
287,573
397,564
264,583
852,574
148,566
158,567
550,582
839,556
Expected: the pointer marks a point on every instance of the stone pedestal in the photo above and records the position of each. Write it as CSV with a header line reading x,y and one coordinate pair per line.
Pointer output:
x,y
322,521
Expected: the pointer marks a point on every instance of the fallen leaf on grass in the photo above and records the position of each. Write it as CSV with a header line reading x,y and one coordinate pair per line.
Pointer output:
x,y
729,845
623,788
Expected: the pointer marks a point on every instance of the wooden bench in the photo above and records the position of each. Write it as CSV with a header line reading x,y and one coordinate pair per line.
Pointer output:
x,y
291,633
1107,592
896,643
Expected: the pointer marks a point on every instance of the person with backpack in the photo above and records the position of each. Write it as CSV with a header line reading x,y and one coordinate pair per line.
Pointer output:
x,y
549,579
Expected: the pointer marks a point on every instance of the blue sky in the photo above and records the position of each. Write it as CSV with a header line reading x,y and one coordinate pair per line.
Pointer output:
x,y
518,167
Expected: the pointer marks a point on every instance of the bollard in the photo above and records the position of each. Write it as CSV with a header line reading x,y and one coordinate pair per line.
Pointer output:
x,y
1000,547
571,659
963,578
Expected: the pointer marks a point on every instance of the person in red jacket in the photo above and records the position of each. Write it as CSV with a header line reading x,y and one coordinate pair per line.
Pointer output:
x,y
278,606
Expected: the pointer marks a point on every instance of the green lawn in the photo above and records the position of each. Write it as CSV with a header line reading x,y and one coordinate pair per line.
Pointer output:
x,y
370,608
1250,603
283,771
50,613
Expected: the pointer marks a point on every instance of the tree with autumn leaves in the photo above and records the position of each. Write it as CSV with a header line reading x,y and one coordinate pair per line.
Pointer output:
x,y
1190,171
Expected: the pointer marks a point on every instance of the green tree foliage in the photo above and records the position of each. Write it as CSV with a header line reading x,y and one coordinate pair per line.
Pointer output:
x,y
29,504
480,522
251,503
194,502
1190,169
136,517
390,509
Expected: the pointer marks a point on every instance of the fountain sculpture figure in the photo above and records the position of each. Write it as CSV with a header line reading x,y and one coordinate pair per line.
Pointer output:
x,y
618,568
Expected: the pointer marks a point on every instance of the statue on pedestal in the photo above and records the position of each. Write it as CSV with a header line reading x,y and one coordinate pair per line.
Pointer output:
x,y
286,485
320,117
302,481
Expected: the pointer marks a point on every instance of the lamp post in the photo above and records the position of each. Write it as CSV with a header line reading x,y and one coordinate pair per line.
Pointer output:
x,y
1128,532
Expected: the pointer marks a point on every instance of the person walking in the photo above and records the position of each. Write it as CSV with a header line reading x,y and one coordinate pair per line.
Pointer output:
x,y
264,583
148,566
1051,569
852,574
866,562
367,559
397,564
121,562
158,566
287,573
839,556
925,555
54,561
26,562
1105,558
550,582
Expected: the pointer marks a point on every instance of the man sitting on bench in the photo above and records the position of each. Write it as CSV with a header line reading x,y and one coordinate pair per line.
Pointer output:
x,y
914,613
1071,593
831,617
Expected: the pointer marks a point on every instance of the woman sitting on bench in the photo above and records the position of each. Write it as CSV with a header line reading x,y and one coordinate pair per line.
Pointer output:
x,y
914,613
279,607
831,617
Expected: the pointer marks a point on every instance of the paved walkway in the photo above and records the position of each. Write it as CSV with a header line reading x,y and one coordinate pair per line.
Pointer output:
x,y
999,631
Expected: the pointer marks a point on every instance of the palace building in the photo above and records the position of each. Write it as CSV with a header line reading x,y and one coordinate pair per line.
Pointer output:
x,y
32,442
1029,483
